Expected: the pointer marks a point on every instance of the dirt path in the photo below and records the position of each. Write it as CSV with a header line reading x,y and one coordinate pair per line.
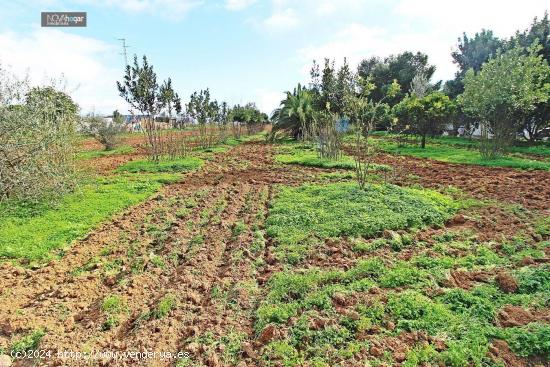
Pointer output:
x,y
186,267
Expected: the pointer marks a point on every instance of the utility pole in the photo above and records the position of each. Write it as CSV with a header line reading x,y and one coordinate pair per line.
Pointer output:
x,y
124,48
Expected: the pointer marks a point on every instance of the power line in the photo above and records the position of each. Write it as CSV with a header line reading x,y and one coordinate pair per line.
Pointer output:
x,y
124,48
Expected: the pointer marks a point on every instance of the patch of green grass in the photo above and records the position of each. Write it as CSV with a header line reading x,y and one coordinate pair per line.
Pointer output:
x,y
89,154
28,342
305,155
176,165
314,211
165,305
521,147
454,154
310,158
32,231
533,339
112,306
542,226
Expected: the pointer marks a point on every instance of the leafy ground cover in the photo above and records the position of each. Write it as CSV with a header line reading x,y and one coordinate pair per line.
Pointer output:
x,y
457,275
175,165
453,154
303,215
410,311
306,155
465,151
523,147
31,232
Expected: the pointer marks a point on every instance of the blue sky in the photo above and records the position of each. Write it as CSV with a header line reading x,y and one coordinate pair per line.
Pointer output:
x,y
243,50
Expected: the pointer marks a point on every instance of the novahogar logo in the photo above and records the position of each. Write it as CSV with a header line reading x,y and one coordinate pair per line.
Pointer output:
x,y
64,19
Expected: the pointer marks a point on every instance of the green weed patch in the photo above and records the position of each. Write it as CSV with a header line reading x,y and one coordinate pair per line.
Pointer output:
x,y
32,231
176,165
298,216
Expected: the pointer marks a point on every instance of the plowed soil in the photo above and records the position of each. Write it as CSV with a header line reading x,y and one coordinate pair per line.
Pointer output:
x,y
194,241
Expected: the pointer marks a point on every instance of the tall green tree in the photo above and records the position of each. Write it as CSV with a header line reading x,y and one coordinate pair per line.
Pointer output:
x,y
424,116
168,99
471,53
506,90
537,122
296,113
140,89
401,68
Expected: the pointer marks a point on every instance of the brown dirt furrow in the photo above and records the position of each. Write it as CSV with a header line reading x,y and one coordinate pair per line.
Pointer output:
x,y
528,188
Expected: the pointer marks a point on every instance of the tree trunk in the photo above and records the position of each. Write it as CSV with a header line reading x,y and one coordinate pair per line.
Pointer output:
x,y
423,144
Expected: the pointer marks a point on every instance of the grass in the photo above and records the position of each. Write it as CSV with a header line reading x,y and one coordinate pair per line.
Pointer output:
x,y
522,147
306,155
176,165
465,151
454,154
29,342
89,154
299,215
32,231
112,306
306,307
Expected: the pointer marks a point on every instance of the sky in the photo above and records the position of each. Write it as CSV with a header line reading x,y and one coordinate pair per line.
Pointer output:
x,y
243,50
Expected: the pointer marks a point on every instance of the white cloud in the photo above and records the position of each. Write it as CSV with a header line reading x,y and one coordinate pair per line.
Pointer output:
x,y
236,5
357,42
503,17
87,65
429,26
268,100
282,20
331,7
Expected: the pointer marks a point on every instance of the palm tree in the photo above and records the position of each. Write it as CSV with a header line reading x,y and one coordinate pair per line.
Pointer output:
x,y
296,113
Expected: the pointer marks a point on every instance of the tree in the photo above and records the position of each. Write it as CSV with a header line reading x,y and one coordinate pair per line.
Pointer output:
x,y
105,131
471,53
140,89
505,91
425,115
364,113
168,99
37,140
203,111
538,32
420,85
296,113
54,105
345,85
537,123
402,68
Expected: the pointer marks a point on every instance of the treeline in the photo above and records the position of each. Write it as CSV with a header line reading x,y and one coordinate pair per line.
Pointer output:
x,y
501,89
157,103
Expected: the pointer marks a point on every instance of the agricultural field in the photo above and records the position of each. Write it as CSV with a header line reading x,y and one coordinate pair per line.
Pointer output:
x,y
242,183
261,254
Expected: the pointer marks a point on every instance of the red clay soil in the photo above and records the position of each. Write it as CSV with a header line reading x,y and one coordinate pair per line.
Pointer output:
x,y
65,297
528,188
499,351
195,242
510,316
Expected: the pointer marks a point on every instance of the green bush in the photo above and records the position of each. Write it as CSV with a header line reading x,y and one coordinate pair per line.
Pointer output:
x,y
461,301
